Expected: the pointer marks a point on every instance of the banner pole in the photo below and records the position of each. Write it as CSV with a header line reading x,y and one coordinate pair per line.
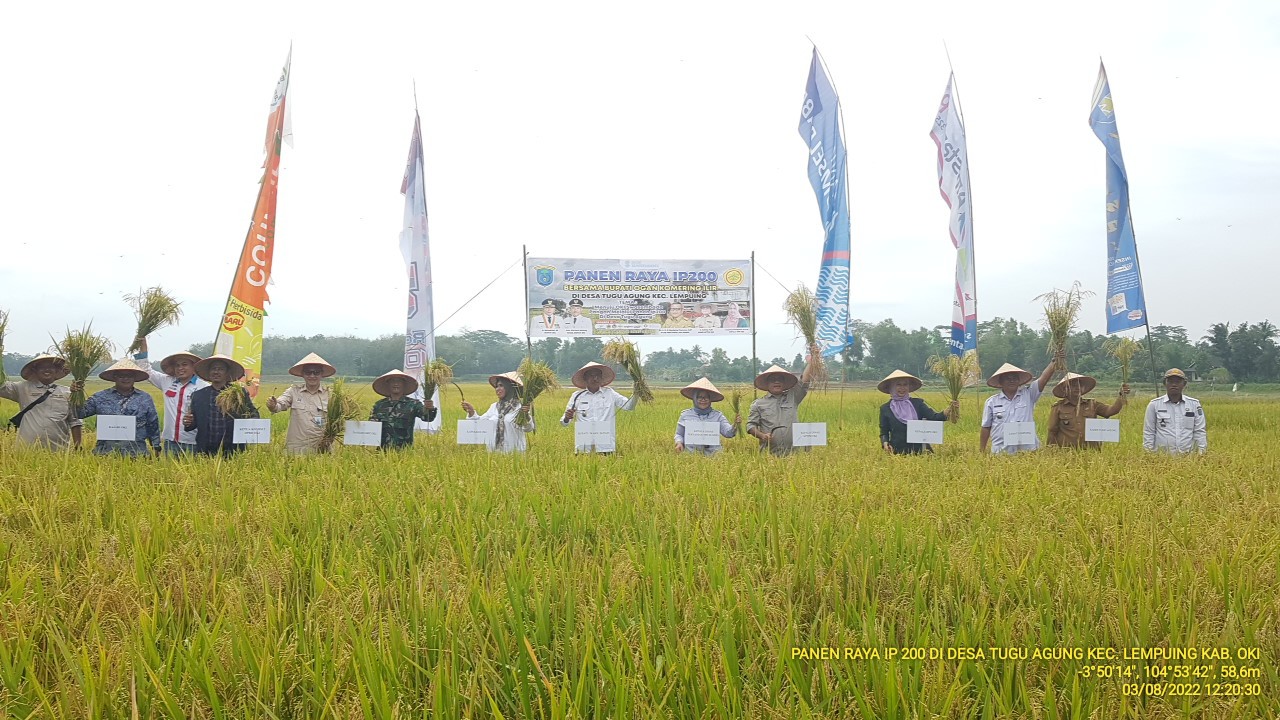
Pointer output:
x,y
755,360
528,341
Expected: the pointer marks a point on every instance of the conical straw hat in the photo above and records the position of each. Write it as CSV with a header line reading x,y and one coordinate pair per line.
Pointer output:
x,y
702,384
169,365
29,370
1009,368
789,378
887,382
513,376
235,370
312,359
607,375
1086,384
124,366
380,385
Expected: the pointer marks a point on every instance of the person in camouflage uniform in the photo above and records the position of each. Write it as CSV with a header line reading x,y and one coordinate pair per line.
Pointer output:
x,y
397,411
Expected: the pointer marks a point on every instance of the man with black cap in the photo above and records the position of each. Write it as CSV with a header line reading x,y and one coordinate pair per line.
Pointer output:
x,y
549,322
1175,422
576,323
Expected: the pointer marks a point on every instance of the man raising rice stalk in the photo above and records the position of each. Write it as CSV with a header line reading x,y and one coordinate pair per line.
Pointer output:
x,y
308,404
397,411
1067,416
802,311
1061,309
124,399
772,416
624,353
44,416
595,401
215,408
506,414
177,379
1014,403
154,309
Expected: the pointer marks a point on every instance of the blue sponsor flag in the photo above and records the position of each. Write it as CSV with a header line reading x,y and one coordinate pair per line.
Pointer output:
x,y
1126,306
820,128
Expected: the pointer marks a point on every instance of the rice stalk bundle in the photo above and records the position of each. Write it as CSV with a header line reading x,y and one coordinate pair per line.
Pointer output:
x,y
435,375
958,372
342,407
537,377
801,308
233,401
1061,309
4,327
154,308
1123,349
736,393
625,353
83,352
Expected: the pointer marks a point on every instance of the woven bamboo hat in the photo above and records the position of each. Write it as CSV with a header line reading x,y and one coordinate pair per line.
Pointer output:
x,y
607,375
887,383
29,370
1085,382
124,367
1005,369
312,359
169,365
704,385
512,376
380,385
235,370
789,378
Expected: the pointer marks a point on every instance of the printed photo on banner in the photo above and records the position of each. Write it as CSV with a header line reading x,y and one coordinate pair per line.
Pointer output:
x,y
582,297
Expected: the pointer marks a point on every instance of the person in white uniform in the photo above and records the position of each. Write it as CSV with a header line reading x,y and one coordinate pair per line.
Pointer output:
x,y
595,401
1016,402
1175,422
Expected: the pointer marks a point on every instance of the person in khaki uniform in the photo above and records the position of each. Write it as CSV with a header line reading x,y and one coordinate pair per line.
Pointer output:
x,y
1067,416
44,411
308,403
772,416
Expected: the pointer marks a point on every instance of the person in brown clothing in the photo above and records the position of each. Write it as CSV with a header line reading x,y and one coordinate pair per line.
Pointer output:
x,y
1067,416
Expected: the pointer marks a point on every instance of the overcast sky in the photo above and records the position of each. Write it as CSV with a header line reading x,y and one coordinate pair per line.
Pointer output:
x,y
131,147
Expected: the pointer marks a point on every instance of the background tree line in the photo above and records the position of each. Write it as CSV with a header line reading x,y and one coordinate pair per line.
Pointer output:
x,y
1246,353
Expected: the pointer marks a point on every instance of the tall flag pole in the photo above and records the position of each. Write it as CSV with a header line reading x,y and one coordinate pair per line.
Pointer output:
x,y
240,334
820,127
415,246
953,184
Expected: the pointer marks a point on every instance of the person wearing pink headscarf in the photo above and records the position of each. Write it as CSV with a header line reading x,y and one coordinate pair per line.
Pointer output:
x,y
734,317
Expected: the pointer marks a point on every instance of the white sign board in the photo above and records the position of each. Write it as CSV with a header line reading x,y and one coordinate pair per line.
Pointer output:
x,y
363,432
1020,433
117,427
924,431
699,432
1100,430
251,432
476,431
808,434
597,434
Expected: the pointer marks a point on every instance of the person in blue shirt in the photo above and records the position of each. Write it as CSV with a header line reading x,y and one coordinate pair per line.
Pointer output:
x,y
125,399
703,393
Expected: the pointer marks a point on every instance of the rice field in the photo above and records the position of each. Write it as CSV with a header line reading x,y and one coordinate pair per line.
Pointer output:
x,y
447,582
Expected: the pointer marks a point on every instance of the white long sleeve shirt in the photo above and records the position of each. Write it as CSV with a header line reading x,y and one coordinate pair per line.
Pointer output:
x,y
601,405
513,439
1175,427
177,397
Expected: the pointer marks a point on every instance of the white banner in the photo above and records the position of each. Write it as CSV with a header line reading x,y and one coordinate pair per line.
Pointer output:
x,y
117,427
251,432
571,297
363,432
1100,430
415,247
808,434
476,431
924,431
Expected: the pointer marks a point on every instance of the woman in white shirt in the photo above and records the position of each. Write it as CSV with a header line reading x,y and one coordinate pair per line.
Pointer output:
x,y
508,435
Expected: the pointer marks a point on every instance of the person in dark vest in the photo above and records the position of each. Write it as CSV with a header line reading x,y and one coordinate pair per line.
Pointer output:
x,y
902,408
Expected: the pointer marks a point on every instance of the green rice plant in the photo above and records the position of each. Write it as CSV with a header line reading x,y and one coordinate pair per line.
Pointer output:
x,y
343,406
4,328
1061,310
233,401
83,352
538,377
958,371
801,307
1123,349
736,394
153,308
625,353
